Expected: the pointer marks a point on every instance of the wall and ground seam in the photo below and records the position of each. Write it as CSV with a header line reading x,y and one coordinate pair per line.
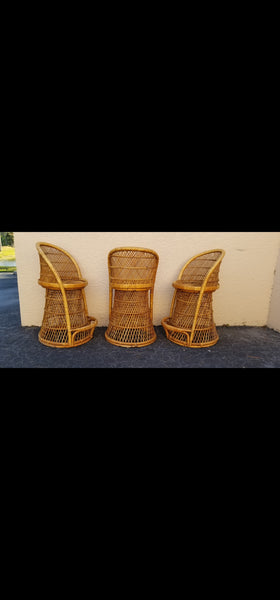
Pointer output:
x,y
249,291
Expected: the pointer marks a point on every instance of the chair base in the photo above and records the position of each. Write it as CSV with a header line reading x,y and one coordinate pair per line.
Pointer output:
x,y
202,338
130,322
56,337
130,338
189,327
59,330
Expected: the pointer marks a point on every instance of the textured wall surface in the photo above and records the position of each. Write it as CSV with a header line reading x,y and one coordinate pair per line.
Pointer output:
x,y
246,275
274,312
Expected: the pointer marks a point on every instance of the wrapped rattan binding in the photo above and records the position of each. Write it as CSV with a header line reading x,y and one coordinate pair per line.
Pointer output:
x,y
66,322
132,273
191,321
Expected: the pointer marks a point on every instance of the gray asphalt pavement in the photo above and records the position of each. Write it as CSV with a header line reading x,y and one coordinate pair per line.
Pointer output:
x,y
238,347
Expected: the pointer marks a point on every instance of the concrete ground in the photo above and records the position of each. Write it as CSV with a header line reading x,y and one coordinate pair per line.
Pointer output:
x,y
238,347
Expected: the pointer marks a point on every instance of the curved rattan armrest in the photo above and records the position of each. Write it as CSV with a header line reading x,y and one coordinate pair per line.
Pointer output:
x,y
170,328
90,319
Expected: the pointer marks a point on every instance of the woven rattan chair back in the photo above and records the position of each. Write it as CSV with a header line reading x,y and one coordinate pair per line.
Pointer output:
x,y
203,266
191,320
66,322
132,267
132,273
55,262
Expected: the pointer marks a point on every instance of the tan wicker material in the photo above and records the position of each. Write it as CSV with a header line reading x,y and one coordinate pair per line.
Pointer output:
x,y
132,273
191,320
65,322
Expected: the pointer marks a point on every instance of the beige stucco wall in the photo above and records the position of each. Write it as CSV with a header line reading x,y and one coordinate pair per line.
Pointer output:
x,y
274,311
246,276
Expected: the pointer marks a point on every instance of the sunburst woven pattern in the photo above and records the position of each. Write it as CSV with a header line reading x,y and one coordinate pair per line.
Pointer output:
x,y
132,273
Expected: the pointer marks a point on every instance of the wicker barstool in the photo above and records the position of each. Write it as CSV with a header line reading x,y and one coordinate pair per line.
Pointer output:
x,y
191,320
65,322
132,273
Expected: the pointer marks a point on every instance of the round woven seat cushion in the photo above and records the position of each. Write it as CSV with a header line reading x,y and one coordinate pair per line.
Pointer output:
x,y
190,287
68,284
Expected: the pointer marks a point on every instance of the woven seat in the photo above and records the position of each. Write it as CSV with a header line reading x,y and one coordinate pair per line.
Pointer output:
x,y
65,322
67,284
191,320
188,287
132,273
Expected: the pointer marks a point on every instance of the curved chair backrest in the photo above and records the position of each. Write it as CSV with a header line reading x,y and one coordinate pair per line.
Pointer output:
x,y
132,266
56,264
203,268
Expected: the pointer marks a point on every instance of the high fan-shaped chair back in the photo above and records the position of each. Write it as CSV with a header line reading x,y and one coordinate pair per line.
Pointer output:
x,y
191,322
66,322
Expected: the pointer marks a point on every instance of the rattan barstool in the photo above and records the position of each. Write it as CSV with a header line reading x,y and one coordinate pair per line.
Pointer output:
x,y
132,273
191,321
65,322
